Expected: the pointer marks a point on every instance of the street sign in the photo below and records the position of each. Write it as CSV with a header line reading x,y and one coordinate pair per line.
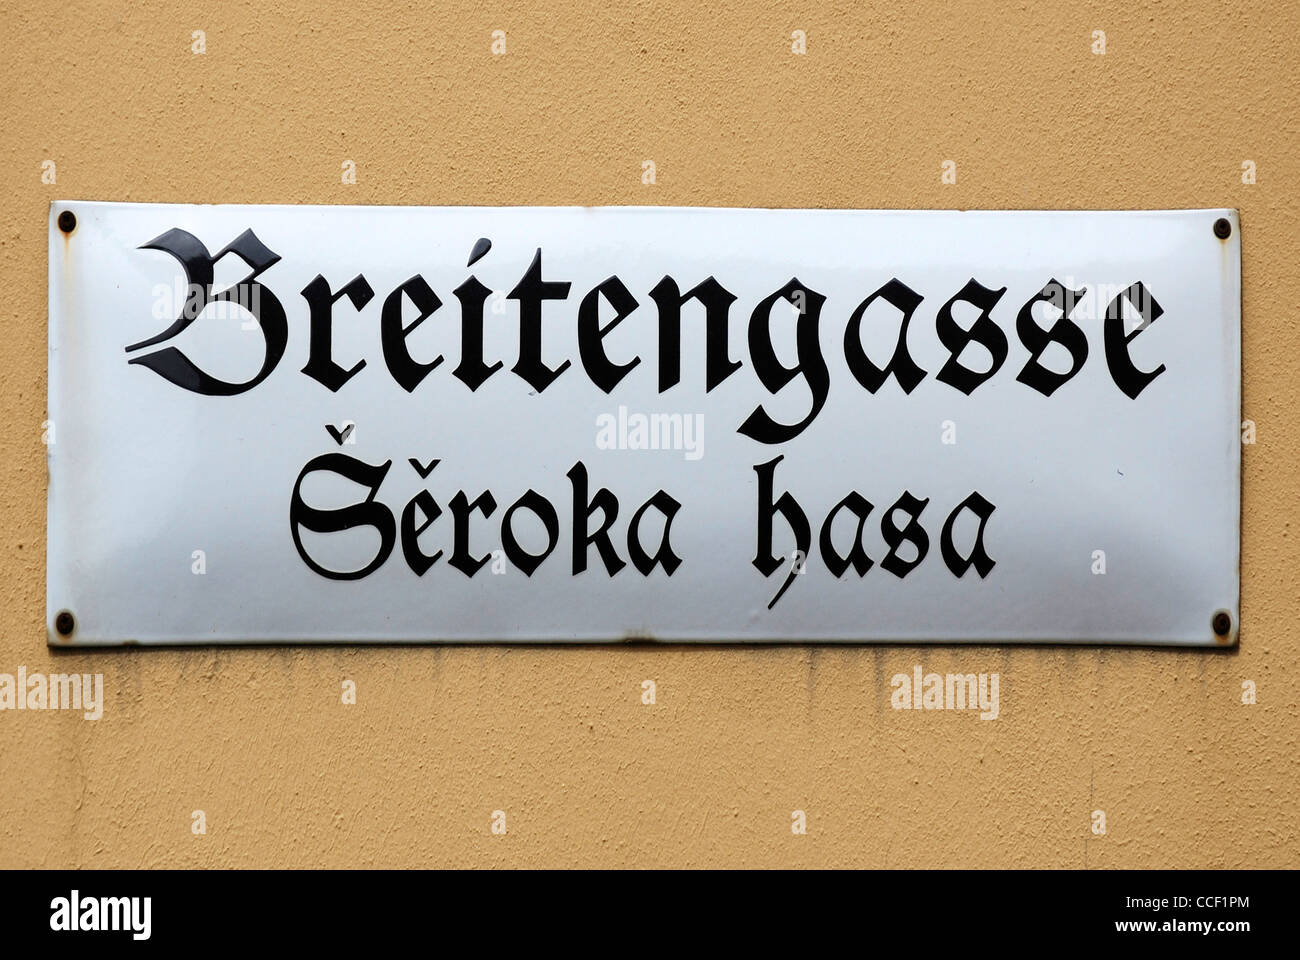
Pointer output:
x,y
357,424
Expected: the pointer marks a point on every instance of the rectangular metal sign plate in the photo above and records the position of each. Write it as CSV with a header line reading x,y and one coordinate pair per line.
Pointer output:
x,y
297,423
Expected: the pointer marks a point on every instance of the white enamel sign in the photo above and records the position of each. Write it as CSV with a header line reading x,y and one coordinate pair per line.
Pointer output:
x,y
300,424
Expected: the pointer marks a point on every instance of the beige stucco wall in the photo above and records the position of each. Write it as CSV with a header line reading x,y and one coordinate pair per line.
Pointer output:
x,y
558,738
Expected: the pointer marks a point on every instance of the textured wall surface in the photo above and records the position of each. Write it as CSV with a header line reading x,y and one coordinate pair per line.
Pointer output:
x,y
739,737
